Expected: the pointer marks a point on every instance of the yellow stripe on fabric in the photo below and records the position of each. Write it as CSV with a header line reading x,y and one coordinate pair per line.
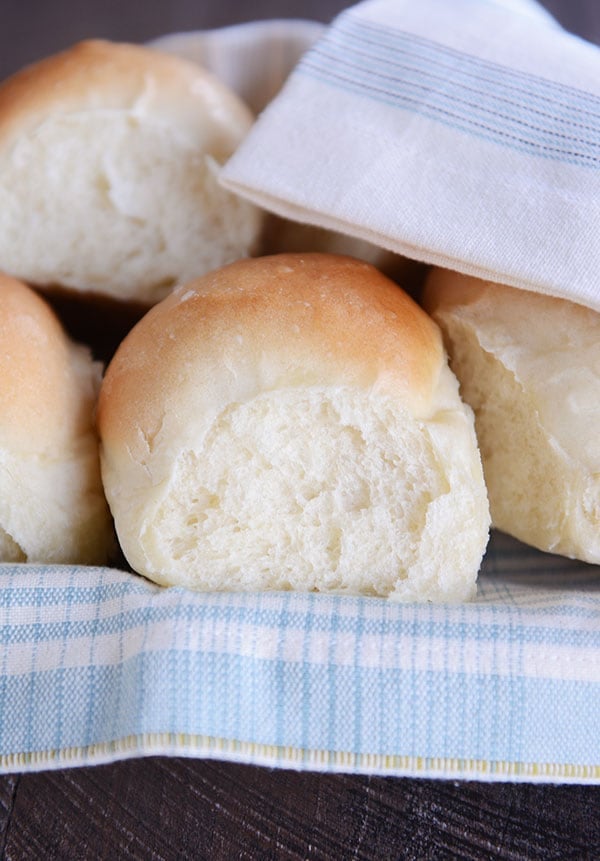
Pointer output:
x,y
184,744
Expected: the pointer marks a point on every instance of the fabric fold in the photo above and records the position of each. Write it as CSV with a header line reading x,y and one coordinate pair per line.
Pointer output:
x,y
464,135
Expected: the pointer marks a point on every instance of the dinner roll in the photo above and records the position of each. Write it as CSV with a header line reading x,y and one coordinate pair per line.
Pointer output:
x,y
108,172
529,365
52,506
290,422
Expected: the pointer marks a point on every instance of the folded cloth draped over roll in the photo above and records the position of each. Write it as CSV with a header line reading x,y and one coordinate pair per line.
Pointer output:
x,y
464,134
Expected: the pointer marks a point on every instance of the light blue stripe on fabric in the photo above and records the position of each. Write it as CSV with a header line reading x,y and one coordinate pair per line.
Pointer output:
x,y
452,120
578,628
410,73
60,690
527,87
310,672
37,693
486,100
451,628
405,713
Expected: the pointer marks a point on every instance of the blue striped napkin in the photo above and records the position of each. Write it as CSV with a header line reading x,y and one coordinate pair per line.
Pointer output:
x,y
464,134
98,664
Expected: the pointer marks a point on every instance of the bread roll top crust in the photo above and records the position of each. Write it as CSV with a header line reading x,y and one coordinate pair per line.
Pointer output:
x,y
96,75
267,323
52,505
109,161
42,403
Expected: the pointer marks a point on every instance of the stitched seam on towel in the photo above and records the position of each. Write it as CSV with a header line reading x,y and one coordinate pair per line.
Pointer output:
x,y
179,743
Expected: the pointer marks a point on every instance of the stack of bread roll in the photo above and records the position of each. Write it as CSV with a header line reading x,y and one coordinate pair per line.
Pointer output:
x,y
108,188
272,420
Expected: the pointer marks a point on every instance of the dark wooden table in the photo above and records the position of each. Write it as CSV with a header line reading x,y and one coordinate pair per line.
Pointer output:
x,y
161,808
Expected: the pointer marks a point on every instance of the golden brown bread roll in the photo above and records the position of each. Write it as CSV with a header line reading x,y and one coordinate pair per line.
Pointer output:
x,y
52,506
290,422
108,161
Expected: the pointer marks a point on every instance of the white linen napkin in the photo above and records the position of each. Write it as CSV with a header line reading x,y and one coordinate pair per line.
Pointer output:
x,y
463,133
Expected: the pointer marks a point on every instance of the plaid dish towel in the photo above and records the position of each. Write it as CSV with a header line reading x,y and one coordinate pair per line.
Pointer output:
x,y
97,664
463,133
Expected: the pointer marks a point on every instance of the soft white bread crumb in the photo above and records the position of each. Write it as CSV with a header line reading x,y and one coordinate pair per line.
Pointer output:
x,y
52,505
529,365
290,422
108,172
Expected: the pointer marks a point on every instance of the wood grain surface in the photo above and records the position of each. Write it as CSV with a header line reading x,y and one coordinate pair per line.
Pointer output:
x,y
164,808
167,808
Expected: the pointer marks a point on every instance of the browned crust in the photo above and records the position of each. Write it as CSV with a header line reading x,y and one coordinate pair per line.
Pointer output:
x,y
40,395
98,74
309,318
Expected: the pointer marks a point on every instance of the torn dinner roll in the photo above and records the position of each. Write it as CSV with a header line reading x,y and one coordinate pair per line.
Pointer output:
x,y
529,365
109,155
290,422
52,505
